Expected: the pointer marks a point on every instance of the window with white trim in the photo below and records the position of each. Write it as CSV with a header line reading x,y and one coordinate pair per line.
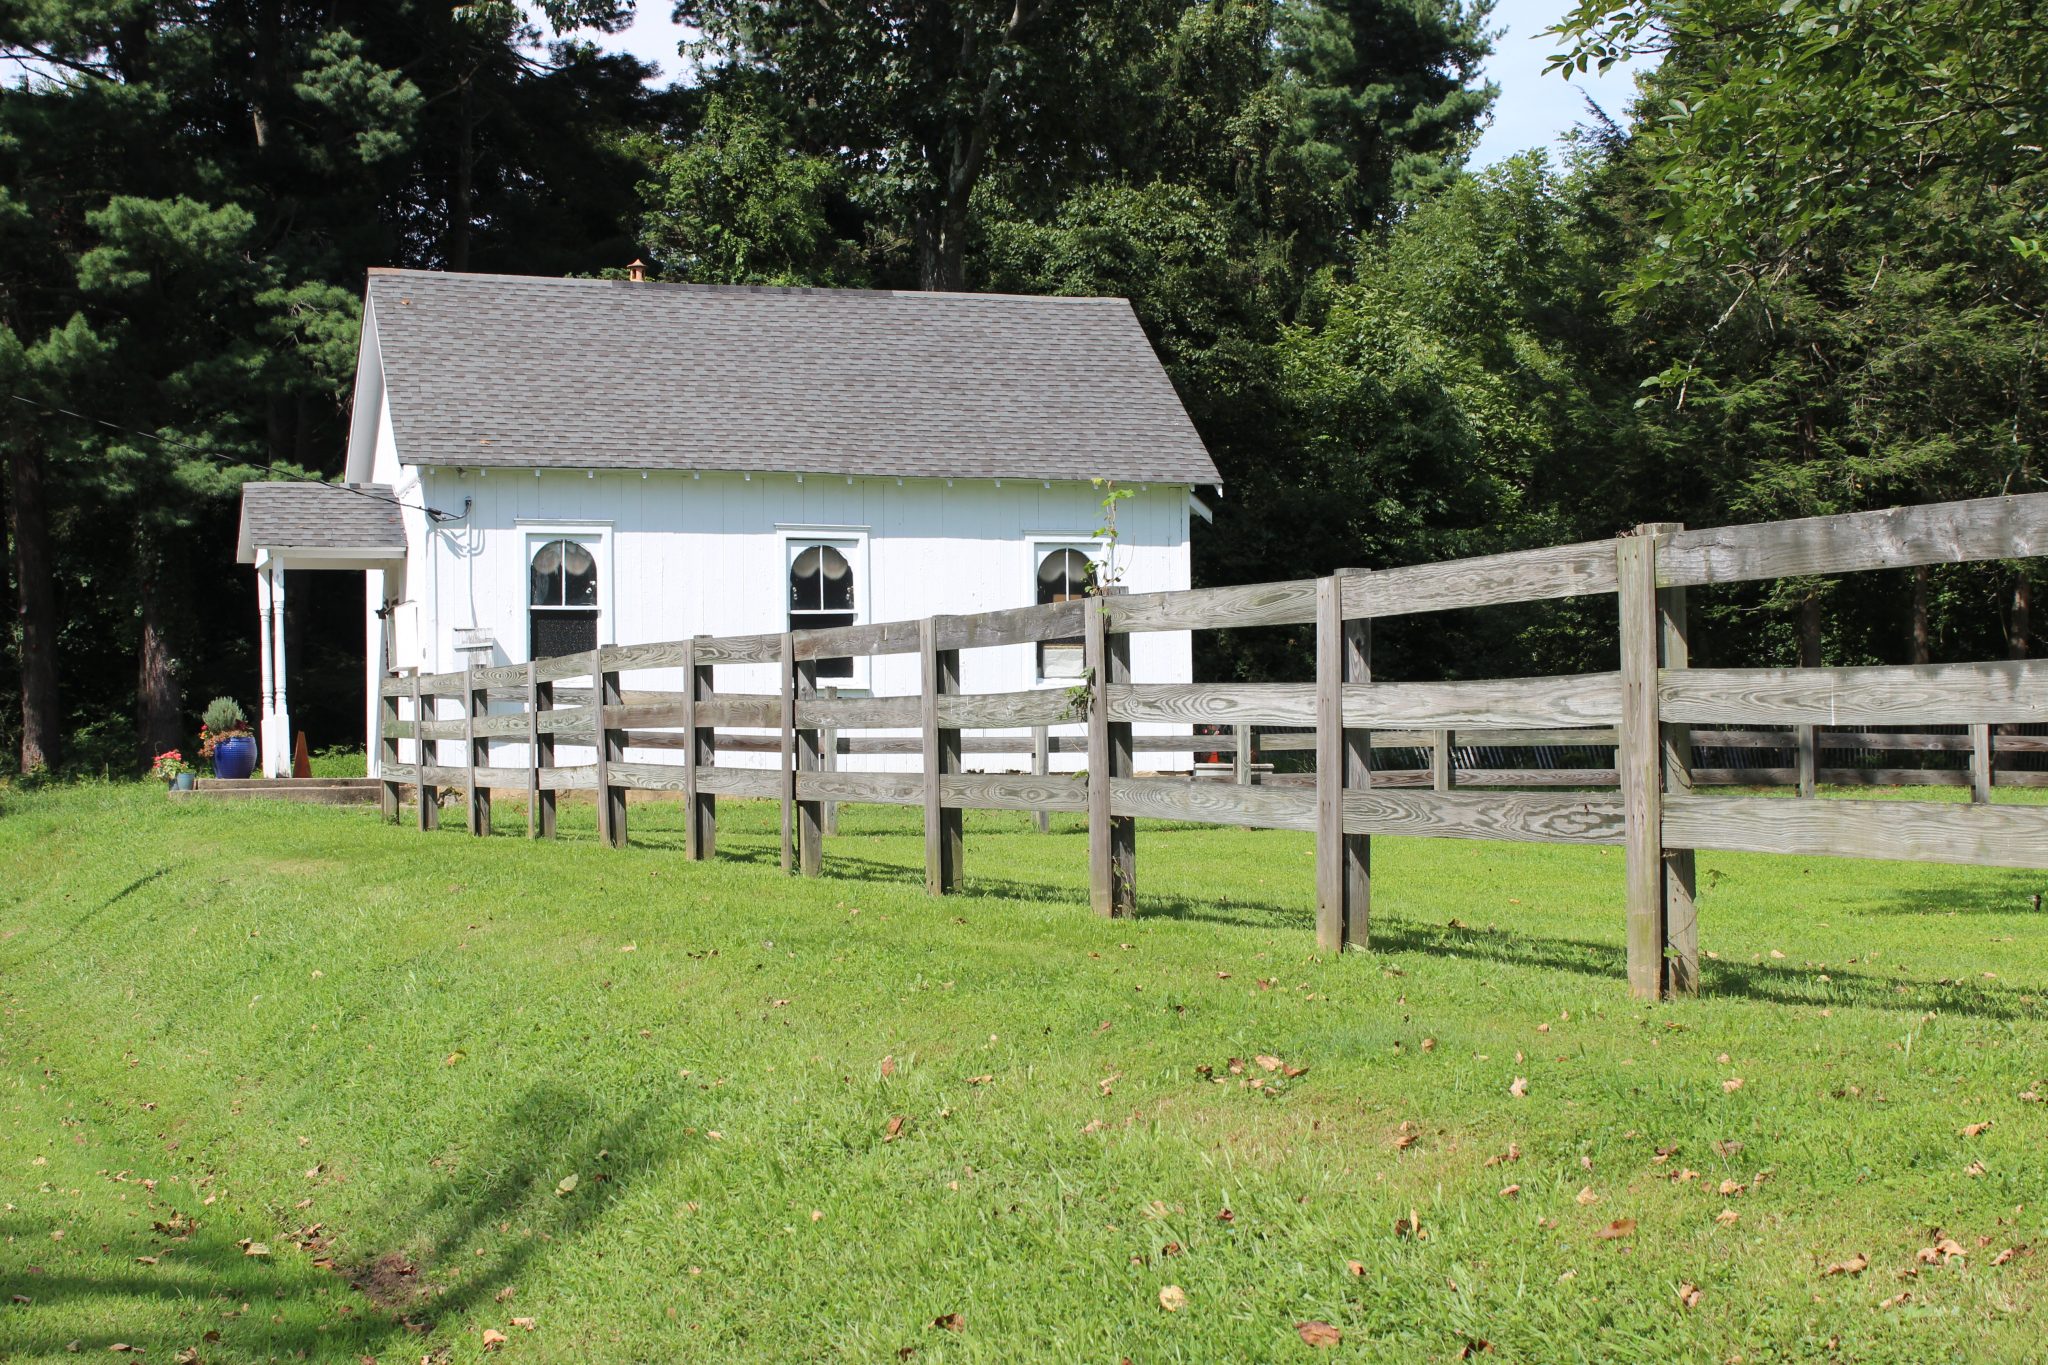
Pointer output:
x,y
561,599
821,595
1065,573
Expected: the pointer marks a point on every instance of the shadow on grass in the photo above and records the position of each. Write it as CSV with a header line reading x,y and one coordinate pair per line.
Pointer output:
x,y
1763,983
397,1293
2014,893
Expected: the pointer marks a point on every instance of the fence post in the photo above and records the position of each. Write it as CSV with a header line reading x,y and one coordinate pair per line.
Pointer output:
x,y
828,761
1112,839
1443,762
1681,906
605,693
1982,761
540,753
1638,756
810,815
387,751
1241,761
786,750
1041,765
475,700
430,797
1806,743
944,832
1343,862
1357,775
700,808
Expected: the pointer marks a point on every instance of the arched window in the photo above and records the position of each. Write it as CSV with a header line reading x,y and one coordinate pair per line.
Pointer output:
x,y
561,598
821,595
1063,576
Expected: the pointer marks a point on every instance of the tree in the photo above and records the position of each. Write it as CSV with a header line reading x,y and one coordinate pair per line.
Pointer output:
x,y
192,192
731,201
921,98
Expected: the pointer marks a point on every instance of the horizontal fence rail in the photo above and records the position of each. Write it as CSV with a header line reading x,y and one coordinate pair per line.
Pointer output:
x,y
1601,758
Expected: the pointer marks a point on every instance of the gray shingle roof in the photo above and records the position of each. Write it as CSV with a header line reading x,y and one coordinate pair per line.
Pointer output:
x,y
525,371
318,516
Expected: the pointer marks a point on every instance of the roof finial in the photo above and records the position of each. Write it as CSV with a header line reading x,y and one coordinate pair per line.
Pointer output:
x,y
637,271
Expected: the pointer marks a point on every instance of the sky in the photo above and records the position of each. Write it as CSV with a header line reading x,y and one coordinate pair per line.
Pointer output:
x,y
1534,110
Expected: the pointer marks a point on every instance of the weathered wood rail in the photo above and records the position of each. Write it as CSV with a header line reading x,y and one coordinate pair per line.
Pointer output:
x,y
1652,712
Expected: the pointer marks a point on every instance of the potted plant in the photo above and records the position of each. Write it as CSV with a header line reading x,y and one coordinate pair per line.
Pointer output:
x,y
224,737
172,769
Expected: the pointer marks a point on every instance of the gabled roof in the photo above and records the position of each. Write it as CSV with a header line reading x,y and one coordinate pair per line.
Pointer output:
x,y
530,372
319,516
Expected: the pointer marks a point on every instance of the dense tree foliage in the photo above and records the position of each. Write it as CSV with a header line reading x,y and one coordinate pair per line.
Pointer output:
x,y
1804,274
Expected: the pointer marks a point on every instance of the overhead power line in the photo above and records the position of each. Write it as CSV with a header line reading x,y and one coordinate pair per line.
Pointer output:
x,y
233,461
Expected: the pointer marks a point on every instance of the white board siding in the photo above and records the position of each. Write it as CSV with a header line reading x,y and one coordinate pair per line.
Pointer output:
x,y
705,553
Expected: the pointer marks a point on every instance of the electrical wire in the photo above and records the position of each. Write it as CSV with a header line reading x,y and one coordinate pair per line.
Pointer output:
x,y
434,514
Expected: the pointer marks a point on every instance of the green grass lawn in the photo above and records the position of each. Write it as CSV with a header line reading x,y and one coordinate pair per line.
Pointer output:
x,y
286,1083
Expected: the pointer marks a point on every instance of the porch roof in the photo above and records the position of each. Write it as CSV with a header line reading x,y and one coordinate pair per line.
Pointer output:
x,y
348,521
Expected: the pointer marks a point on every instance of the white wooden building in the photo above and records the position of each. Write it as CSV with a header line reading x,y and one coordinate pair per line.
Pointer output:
x,y
538,466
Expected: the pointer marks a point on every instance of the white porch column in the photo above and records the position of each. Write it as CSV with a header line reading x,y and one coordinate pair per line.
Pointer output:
x,y
281,765
266,703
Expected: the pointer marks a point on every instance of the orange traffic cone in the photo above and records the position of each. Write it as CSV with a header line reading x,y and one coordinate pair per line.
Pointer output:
x,y
302,766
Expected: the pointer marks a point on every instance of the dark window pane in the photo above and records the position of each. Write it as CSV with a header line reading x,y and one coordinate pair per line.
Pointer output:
x,y
558,631
544,578
820,579
1063,575
822,620
580,571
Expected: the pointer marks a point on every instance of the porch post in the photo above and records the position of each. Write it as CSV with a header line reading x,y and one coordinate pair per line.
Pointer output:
x,y
278,757
266,701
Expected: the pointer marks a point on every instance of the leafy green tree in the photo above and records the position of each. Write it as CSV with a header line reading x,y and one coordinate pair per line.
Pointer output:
x,y
733,202
192,191
921,97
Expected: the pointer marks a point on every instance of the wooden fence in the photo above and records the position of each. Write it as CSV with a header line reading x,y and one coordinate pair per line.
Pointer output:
x,y
1648,709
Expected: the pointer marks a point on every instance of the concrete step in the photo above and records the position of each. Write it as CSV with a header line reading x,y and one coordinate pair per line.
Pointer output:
x,y
311,792
280,783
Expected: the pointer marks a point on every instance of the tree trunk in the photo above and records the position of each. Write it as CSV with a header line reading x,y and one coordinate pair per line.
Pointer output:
x,y
1922,646
462,205
158,698
941,236
2022,614
1809,631
35,606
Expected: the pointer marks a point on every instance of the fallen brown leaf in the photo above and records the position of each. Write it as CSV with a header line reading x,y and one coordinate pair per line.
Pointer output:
x,y
888,1066
1732,1084
952,1322
1855,1265
894,1128
1586,1196
493,1338
1510,1191
1173,1298
1620,1227
1358,1267
1519,1087
1974,1129
1689,1294
1727,1218
1895,1300
526,1323
1318,1334
1268,1061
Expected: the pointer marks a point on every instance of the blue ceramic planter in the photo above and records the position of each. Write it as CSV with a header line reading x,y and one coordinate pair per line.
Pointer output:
x,y
235,756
